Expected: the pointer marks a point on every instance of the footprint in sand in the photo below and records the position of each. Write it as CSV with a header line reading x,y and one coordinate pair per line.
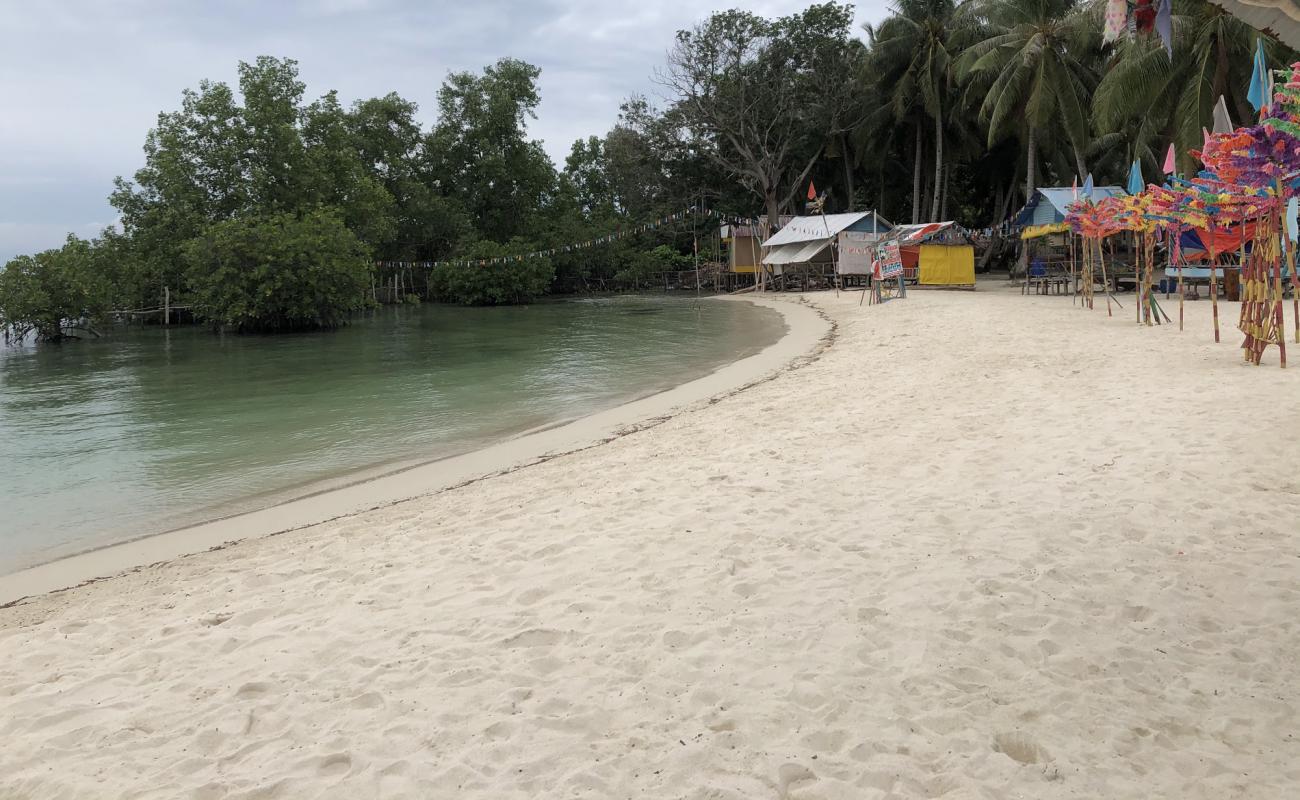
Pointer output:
x,y
790,777
1019,747
533,637
250,690
335,765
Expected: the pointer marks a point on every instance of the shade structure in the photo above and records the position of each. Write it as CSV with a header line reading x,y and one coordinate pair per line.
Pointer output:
x,y
782,254
804,240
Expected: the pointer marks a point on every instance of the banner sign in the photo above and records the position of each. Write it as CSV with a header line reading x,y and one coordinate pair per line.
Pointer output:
x,y
891,260
857,249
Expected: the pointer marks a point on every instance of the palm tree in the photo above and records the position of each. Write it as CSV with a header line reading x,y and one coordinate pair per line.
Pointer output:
x,y
913,52
1035,72
1154,99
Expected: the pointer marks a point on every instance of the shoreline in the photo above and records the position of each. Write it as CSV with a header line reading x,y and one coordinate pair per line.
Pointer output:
x,y
377,487
887,571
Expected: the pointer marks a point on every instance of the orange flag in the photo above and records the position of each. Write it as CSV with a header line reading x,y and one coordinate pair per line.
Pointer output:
x,y
812,191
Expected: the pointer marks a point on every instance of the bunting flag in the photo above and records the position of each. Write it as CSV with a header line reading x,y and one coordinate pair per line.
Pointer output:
x,y
1222,122
812,191
1116,19
1165,25
1135,178
1261,90
1087,187
1169,167
622,233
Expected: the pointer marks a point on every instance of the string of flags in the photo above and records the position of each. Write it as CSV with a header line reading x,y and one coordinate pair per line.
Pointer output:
x,y
621,233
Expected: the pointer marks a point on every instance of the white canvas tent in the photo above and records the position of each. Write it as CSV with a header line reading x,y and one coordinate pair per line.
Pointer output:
x,y
806,240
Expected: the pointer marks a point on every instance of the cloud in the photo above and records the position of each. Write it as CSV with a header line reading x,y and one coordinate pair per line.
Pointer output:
x,y
68,124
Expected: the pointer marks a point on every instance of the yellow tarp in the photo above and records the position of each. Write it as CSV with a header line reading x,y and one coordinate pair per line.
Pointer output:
x,y
1034,231
946,265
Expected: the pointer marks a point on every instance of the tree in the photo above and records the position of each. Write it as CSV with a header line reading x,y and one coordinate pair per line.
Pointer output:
x,y
507,281
1032,73
1150,99
914,53
41,294
278,272
745,89
479,151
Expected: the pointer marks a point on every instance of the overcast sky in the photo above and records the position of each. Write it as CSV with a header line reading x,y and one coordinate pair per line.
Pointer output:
x,y
82,81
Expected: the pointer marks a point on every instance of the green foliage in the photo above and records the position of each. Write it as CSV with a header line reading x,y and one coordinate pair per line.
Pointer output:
x,y
479,151
649,264
278,272
760,97
493,284
42,293
949,109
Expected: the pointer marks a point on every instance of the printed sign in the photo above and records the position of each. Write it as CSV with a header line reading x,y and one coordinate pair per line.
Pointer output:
x,y
891,260
857,249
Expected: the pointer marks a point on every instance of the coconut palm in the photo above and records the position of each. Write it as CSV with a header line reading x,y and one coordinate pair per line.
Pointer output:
x,y
1154,99
913,53
1033,73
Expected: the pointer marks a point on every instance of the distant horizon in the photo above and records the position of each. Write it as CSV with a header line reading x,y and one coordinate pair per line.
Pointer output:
x,y
69,130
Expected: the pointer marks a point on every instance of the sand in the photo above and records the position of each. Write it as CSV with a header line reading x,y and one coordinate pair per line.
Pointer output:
x,y
981,546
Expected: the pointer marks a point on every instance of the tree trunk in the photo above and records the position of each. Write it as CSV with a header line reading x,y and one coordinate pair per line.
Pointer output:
x,y
1031,156
848,172
938,167
773,205
947,184
916,178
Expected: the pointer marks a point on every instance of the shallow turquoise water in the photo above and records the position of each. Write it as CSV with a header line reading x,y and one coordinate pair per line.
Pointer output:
x,y
147,429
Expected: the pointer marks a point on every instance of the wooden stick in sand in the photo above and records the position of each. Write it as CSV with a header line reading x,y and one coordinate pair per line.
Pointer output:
x,y
1137,280
1105,284
1278,320
1295,288
1174,252
1214,284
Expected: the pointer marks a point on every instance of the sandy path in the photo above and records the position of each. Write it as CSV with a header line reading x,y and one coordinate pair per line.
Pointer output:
x,y
941,560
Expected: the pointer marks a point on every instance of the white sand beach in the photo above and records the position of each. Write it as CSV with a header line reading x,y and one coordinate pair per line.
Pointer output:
x,y
980,546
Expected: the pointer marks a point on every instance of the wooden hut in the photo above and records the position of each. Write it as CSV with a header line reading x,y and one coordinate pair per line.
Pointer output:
x,y
809,247
1043,230
936,254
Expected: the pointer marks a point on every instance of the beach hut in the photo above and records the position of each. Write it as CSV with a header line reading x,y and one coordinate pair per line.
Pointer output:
x,y
935,253
1044,214
1044,232
744,246
804,244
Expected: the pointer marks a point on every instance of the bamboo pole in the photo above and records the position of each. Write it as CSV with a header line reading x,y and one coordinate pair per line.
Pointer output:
x,y
1279,321
1105,282
1174,252
1295,288
1073,284
1137,282
1214,284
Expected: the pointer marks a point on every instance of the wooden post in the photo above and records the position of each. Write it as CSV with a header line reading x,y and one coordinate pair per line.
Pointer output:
x,y
1137,283
1295,286
1069,235
1105,283
1277,303
1214,295
1173,259
167,306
